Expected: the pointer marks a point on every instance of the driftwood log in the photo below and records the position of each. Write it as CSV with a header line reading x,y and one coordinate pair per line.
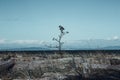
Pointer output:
x,y
6,65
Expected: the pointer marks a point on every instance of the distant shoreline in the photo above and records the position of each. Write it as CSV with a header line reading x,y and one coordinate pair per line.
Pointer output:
x,y
64,51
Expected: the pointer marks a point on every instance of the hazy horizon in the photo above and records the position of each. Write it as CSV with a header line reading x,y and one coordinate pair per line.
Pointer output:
x,y
37,21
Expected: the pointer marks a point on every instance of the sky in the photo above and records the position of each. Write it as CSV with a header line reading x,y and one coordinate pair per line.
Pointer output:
x,y
33,20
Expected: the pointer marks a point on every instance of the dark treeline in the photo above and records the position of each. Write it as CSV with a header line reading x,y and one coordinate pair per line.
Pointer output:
x,y
63,51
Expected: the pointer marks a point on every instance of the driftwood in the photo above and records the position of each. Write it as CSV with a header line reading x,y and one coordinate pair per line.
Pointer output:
x,y
115,61
6,65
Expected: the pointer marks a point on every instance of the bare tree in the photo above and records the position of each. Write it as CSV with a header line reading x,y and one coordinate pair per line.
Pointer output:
x,y
59,39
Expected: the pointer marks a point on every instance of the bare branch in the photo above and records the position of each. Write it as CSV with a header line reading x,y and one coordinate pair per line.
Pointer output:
x,y
60,36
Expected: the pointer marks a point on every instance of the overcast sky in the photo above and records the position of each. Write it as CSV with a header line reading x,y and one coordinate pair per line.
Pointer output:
x,y
39,19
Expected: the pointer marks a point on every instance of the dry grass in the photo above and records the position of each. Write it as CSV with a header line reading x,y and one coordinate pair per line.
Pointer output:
x,y
57,68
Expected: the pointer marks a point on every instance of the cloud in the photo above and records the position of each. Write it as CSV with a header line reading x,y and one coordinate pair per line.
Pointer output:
x,y
28,41
113,38
3,41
